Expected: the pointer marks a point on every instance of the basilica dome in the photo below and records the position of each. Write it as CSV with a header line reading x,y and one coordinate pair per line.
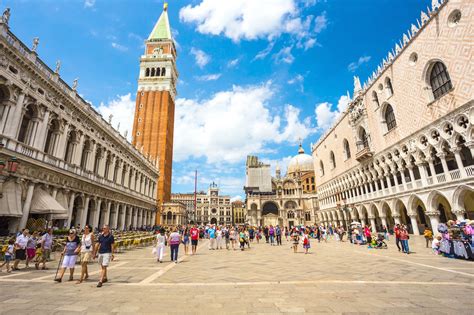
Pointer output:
x,y
301,162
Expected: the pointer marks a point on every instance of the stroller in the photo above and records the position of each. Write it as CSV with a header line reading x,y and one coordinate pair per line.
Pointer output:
x,y
379,242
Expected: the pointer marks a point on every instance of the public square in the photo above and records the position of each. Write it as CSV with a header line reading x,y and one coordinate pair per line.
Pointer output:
x,y
334,278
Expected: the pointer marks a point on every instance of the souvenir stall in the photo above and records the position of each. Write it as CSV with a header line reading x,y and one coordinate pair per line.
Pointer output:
x,y
457,239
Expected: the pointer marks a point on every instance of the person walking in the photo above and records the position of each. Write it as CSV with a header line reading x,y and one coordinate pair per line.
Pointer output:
x,y
368,236
286,233
174,240
396,231
31,248
227,237
385,232
306,242
185,240
265,232
428,236
20,248
295,236
105,248
278,234
194,238
160,245
87,248
242,239
404,239
234,236
46,245
9,255
219,238
70,252
212,238
271,234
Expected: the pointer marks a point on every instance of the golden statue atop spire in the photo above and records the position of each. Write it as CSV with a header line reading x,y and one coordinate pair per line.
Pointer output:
x,y
165,6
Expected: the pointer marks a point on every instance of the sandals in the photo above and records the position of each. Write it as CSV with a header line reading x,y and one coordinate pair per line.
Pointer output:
x,y
99,284
58,280
71,279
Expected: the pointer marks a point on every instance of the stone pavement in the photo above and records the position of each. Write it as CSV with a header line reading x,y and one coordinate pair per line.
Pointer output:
x,y
334,278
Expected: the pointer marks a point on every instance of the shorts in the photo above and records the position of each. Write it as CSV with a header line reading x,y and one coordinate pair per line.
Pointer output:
x,y
194,242
8,258
20,254
31,253
46,254
69,261
104,259
85,257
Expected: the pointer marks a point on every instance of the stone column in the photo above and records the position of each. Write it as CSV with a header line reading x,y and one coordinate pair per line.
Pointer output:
x,y
13,124
442,157
372,223
103,159
384,221
402,175
153,218
412,176
423,173
394,175
124,217
40,137
118,180
414,224
60,148
84,212
457,155
98,205
27,205
129,218
91,157
432,170
114,221
434,219
71,208
76,160
106,216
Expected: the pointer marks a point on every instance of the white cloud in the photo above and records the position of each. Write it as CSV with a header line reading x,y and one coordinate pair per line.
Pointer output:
x,y
263,53
284,55
236,198
296,79
353,66
201,57
123,109
89,3
209,77
225,128
233,63
320,23
325,116
251,20
118,47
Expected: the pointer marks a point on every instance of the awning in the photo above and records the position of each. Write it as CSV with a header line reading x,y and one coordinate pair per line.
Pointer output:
x,y
62,200
10,203
44,203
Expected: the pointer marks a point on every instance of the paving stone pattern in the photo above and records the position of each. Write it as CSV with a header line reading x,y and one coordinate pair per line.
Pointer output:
x,y
334,278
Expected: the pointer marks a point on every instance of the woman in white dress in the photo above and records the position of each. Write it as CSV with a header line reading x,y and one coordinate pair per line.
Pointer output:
x,y
87,246
160,245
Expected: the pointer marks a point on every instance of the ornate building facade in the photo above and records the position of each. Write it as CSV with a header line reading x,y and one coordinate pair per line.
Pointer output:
x,y
174,213
238,212
403,150
153,125
213,208
74,168
286,201
188,200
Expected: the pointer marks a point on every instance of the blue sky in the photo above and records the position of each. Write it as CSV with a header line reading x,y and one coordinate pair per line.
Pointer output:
x,y
255,75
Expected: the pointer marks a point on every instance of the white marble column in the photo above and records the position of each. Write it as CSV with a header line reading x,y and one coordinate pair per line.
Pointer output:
x,y
98,206
414,224
84,212
40,137
70,209
27,205
106,216
13,124
124,217
60,148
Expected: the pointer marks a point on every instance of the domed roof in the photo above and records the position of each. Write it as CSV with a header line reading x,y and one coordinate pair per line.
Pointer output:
x,y
301,162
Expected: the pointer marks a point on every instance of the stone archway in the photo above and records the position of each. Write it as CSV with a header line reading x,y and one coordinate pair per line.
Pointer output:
x,y
213,221
438,202
270,213
417,214
463,202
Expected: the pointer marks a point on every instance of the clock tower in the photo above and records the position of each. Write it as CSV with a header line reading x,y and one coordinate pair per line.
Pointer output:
x,y
153,124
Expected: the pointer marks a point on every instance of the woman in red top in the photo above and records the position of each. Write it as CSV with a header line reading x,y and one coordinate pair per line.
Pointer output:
x,y
194,232
404,239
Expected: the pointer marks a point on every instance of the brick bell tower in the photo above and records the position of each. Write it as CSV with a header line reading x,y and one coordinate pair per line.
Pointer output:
x,y
153,124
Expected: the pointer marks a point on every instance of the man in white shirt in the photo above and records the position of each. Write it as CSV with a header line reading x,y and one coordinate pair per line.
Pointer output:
x,y
20,248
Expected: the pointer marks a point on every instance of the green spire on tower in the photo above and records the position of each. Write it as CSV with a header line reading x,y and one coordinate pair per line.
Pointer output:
x,y
162,28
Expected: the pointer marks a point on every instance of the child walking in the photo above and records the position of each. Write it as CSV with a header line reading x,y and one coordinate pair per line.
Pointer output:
x,y
8,255
306,243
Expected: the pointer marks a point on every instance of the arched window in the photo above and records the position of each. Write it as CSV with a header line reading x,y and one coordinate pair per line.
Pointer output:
x,y
347,149
163,72
26,125
52,135
388,87
389,117
321,168
332,158
68,153
375,98
157,72
86,149
147,72
439,80
152,72
363,138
